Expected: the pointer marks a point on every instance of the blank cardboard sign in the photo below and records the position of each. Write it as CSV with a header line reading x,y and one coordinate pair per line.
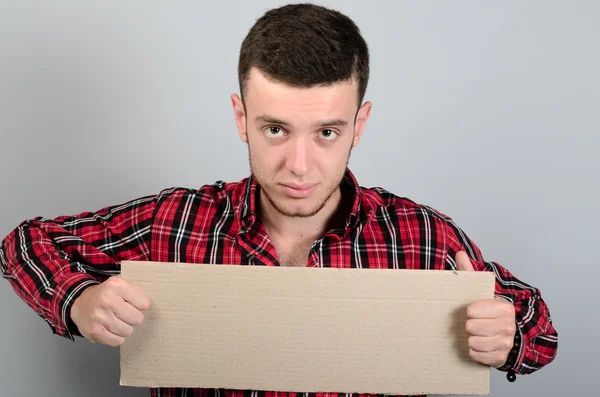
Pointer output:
x,y
305,329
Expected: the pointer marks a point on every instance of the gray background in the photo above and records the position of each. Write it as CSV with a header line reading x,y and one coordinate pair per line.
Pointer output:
x,y
487,111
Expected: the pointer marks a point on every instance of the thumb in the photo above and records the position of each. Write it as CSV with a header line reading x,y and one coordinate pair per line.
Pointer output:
x,y
463,262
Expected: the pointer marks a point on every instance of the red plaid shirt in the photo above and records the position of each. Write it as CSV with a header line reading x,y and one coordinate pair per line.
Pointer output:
x,y
49,262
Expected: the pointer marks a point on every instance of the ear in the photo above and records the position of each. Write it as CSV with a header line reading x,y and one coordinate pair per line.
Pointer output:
x,y
240,116
361,121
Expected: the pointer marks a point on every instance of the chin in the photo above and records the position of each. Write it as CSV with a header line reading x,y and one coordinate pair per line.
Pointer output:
x,y
293,209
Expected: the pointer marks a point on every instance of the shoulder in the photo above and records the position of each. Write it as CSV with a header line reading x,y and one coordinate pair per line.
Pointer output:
x,y
426,221
207,197
377,199
403,214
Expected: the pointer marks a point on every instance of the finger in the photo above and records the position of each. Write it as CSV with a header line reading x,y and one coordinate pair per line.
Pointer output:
x,y
129,314
493,359
463,262
482,327
487,344
118,327
133,294
106,337
490,308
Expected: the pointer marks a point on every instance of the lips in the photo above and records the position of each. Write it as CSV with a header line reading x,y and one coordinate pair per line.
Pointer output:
x,y
299,191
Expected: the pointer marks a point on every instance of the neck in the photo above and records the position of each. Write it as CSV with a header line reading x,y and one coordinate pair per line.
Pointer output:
x,y
299,228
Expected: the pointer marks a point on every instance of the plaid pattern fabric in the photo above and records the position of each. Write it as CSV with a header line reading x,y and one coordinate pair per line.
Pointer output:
x,y
49,262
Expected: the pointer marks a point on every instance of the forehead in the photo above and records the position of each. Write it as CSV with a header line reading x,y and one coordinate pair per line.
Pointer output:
x,y
262,93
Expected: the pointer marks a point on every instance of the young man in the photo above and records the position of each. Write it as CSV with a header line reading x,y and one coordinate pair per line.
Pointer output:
x,y
303,72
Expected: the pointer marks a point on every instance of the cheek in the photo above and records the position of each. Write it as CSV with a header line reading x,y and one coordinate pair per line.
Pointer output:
x,y
334,157
265,157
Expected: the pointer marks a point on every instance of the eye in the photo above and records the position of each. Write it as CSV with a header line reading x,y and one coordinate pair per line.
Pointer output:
x,y
273,132
328,135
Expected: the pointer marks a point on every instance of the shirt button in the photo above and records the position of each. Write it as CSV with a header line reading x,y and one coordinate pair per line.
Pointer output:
x,y
511,376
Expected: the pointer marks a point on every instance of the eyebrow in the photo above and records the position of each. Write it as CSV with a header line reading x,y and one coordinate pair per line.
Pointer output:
x,y
269,119
325,123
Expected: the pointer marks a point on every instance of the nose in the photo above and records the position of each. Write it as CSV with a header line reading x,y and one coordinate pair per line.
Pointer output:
x,y
298,157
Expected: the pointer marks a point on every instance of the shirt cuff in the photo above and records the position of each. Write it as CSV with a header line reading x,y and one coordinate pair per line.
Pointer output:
x,y
514,357
66,291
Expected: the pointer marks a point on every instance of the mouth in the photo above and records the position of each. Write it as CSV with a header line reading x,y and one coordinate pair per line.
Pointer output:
x,y
299,191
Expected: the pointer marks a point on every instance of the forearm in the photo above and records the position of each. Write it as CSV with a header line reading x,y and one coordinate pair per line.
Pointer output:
x,y
49,262
42,276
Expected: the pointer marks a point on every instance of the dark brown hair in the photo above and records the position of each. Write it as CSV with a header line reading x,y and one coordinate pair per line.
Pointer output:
x,y
304,45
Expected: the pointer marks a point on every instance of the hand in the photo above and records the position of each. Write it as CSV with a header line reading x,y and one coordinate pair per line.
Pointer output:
x,y
491,325
107,313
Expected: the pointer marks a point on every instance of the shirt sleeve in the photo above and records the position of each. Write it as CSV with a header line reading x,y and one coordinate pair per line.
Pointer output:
x,y
536,339
49,262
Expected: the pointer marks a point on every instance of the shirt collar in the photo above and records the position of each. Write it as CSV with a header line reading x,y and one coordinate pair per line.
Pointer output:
x,y
249,198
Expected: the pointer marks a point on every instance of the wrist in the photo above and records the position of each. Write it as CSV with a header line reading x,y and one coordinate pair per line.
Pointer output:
x,y
78,302
68,289
514,356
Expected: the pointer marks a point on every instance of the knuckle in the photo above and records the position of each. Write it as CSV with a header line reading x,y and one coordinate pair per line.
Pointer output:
x,y
114,281
509,309
95,317
104,302
510,329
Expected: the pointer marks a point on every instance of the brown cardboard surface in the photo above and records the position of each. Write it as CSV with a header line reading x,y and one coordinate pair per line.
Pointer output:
x,y
305,329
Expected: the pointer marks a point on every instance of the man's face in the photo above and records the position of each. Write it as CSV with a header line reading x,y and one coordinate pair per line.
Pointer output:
x,y
299,140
